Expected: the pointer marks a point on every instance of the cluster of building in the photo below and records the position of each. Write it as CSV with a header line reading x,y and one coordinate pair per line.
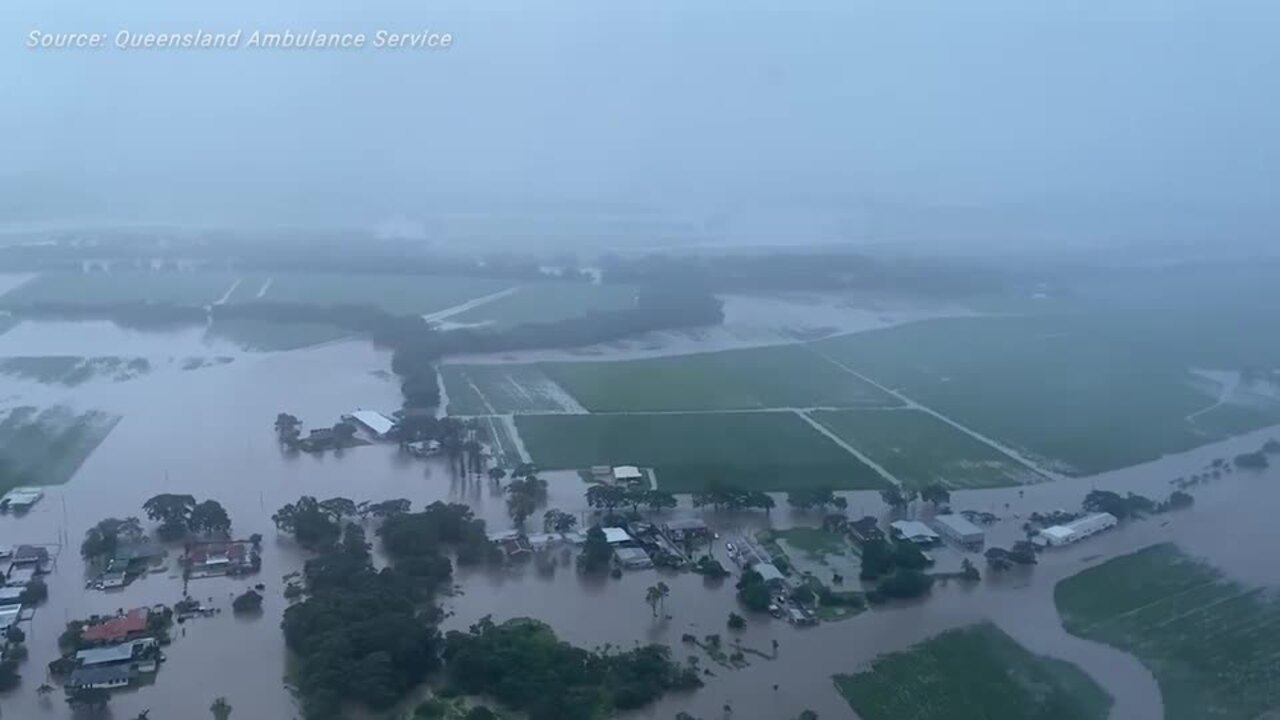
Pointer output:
x,y
22,565
636,546
955,528
746,554
121,649
623,475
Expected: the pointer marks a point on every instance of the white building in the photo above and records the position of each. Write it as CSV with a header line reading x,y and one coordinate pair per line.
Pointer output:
x,y
374,422
627,474
616,535
959,530
1078,529
914,531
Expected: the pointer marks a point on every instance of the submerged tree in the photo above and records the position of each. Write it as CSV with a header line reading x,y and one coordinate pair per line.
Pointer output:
x,y
172,511
221,709
210,517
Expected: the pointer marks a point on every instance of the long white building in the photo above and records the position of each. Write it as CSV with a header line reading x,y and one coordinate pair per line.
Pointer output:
x,y
1078,529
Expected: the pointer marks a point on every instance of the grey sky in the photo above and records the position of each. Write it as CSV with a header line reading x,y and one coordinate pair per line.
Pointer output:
x,y
665,103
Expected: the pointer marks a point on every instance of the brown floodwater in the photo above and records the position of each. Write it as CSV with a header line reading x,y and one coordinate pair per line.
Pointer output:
x,y
209,432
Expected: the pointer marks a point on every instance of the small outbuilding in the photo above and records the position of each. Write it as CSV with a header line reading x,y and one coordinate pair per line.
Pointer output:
x,y
633,558
769,572
627,474
616,535
106,677
373,421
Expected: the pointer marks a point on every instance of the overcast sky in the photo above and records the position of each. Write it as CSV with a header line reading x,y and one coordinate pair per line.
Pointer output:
x,y
690,106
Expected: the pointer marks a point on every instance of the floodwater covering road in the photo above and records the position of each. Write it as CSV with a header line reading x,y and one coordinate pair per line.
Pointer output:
x,y
208,432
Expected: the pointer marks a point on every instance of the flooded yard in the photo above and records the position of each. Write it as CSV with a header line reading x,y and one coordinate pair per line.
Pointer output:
x,y
209,432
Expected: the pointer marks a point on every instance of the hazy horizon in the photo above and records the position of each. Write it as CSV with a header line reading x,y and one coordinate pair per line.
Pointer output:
x,y
835,121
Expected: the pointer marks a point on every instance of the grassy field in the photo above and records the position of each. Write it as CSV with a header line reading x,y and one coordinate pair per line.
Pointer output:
x,y
1055,388
72,370
47,447
101,288
397,294
920,450
550,301
500,389
756,451
786,376
1213,645
264,336
973,673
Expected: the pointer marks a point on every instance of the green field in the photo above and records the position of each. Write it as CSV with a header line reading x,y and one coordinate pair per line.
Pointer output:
x,y
265,336
1055,388
1213,645
133,286
921,450
397,294
501,389
72,370
47,447
756,451
548,302
973,673
772,377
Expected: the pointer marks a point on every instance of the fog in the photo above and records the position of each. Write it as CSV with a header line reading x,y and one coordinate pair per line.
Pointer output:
x,y
829,120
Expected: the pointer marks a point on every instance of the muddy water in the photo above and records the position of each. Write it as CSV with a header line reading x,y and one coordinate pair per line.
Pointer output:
x,y
209,432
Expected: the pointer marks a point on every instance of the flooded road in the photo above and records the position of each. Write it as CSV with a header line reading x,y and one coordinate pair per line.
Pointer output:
x,y
209,432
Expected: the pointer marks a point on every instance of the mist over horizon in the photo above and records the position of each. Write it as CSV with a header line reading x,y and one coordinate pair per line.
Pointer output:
x,y
837,122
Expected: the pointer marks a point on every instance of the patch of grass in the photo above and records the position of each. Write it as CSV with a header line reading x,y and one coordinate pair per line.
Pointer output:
x,y
785,376
548,302
501,389
1058,388
815,542
265,336
921,450
71,370
47,447
755,451
131,286
1213,645
397,294
972,673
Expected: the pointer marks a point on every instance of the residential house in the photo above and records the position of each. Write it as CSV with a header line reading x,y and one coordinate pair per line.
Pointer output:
x,y
106,677
118,629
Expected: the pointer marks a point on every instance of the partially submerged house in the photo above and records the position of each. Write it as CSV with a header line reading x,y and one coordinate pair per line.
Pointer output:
x,y
865,530
633,558
375,422
683,529
914,531
106,677
219,558
959,530
1076,530
20,499
129,626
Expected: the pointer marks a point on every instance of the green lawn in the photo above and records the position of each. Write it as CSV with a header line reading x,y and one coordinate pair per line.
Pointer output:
x,y
548,302
132,286
47,447
756,451
973,673
1212,644
786,376
72,370
1059,389
397,294
502,388
921,450
266,336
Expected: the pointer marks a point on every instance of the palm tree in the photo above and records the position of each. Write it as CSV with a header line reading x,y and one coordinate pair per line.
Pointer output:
x,y
663,592
653,596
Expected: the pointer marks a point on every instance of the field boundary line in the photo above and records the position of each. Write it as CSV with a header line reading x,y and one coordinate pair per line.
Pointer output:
x,y
1152,604
848,448
912,404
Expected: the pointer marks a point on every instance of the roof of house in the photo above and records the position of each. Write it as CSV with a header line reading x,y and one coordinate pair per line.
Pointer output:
x,y
99,675
615,535
218,552
958,524
686,524
117,628
30,553
22,496
105,655
624,554
20,576
627,472
913,528
374,420
768,571
9,615
10,595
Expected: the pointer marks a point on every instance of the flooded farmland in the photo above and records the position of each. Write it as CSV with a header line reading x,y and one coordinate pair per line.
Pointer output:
x,y
208,432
